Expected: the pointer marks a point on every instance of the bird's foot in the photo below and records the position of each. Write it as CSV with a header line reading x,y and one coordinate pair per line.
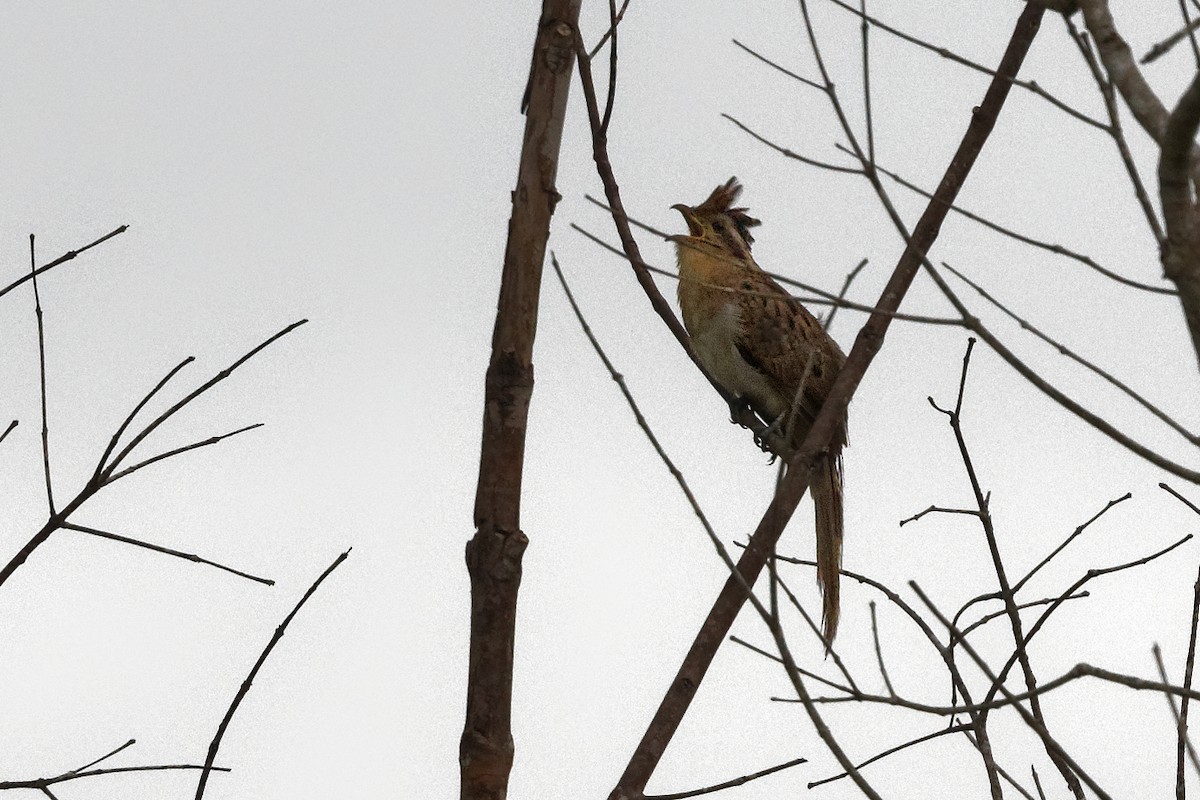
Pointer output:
x,y
763,439
737,407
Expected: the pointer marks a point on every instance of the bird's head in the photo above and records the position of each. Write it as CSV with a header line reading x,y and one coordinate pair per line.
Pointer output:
x,y
715,222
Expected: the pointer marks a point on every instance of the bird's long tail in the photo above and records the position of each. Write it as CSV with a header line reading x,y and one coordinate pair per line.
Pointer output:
x,y
827,496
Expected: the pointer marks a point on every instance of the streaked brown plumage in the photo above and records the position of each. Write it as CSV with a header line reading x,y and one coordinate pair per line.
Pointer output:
x,y
766,349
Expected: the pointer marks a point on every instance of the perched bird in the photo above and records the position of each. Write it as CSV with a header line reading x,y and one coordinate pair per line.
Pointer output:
x,y
765,349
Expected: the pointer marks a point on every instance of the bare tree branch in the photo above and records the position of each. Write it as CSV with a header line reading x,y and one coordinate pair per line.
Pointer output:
x,y
41,340
116,537
1071,354
494,554
1176,171
1119,63
43,784
1162,48
244,689
1180,783
65,257
1057,249
11,427
744,779
1116,130
1162,674
1030,86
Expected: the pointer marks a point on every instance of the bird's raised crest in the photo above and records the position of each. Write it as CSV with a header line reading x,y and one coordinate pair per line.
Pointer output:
x,y
721,201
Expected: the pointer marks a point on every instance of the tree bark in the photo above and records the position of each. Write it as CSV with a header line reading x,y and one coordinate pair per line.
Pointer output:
x,y
494,553
1181,256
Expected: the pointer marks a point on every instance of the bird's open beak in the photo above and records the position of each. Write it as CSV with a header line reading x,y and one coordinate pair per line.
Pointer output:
x,y
689,216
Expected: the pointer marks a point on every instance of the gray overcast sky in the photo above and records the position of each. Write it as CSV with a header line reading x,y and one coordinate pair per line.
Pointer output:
x,y
352,165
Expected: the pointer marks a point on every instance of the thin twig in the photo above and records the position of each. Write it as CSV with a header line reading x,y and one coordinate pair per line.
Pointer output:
x,y
41,340
1052,745
744,779
866,76
1097,422
11,427
1162,674
887,681
609,32
43,784
827,646
211,382
215,745
971,512
783,69
891,750
1038,783
1180,784
1006,591
1030,86
1074,534
176,451
65,257
1045,601
825,298
1071,354
611,100
1049,247
116,537
1163,47
105,757
850,693
619,379
1180,497
789,153
841,296
1116,131
116,437
1191,31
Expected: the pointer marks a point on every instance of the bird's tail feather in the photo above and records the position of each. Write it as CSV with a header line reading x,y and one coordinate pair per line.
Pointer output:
x,y
827,496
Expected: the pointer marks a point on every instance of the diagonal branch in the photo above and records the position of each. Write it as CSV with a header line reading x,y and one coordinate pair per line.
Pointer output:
x,y
65,257
801,465
244,689
116,537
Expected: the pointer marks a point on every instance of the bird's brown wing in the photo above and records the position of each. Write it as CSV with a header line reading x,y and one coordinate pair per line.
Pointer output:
x,y
779,338
782,340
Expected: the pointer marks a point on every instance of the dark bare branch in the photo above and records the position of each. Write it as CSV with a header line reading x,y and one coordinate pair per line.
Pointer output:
x,y
744,779
64,258
244,689
116,537
1176,170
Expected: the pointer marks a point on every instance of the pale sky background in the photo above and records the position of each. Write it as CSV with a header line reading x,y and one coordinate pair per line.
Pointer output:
x,y
352,165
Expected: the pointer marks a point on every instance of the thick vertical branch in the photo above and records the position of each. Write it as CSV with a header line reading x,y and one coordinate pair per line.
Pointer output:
x,y
1123,71
494,554
1181,256
800,467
